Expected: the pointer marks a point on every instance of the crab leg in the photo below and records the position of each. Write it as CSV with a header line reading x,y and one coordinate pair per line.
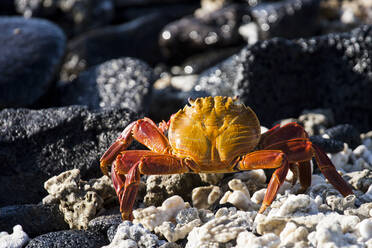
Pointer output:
x,y
329,171
276,134
302,150
267,159
145,131
304,169
136,162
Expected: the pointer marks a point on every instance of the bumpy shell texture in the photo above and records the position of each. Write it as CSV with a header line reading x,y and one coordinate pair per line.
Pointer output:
x,y
214,131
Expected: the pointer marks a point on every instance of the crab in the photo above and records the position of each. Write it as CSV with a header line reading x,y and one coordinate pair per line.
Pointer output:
x,y
213,135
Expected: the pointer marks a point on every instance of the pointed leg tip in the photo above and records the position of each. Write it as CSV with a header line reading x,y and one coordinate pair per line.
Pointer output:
x,y
127,216
263,208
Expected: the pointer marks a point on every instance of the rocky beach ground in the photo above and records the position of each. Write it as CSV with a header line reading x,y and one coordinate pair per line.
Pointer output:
x,y
74,74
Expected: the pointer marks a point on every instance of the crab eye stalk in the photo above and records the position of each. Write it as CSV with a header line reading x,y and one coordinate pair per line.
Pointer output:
x,y
191,101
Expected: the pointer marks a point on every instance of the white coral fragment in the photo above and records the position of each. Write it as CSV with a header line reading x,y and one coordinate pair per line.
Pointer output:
x,y
17,239
152,217
204,197
292,234
335,231
173,233
130,235
78,200
248,239
341,159
364,228
296,205
240,196
224,227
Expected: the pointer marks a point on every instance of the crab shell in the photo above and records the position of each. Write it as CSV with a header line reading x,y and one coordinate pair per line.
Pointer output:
x,y
214,132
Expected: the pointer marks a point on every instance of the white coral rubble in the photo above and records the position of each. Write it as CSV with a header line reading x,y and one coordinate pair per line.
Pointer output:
x,y
152,217
17,239
78,200
225,227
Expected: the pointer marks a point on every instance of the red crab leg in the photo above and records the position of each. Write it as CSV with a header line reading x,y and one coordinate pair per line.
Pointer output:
x,y
143,130
133,164
267,159
304,169
301,150
329,171
276,134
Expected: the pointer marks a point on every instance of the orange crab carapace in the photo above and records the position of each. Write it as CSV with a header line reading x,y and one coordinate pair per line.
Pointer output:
x,y
215,135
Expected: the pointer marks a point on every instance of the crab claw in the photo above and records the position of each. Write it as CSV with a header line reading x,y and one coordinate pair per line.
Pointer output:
x,y
121,143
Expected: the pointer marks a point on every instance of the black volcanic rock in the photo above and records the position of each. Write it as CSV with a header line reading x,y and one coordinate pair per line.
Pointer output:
x,y
287,19
137,38
29,59
345,133
69,239
75,16
131,3
38,144
125,82
34,219
190,35
279,78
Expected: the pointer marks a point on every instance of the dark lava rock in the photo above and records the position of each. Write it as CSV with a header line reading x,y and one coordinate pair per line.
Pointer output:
x,y
38,144
327,145
287,19
34,219
345,133
111,232
200,62
75,16
29,59
123,14
69,239
138,38
131,3
125,82
190,35
104,223
7,7
279,78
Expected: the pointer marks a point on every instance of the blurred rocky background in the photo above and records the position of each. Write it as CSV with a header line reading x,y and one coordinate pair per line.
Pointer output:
x,y
74,73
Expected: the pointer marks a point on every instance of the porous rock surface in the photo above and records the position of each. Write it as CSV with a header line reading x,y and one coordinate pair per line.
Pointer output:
x,y
35,219
75,16
345,88
123,40
29,59
117,83
78,200
159,188
134,235
68,239
38,144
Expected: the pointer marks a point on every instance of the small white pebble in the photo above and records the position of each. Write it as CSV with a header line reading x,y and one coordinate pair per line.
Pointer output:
x,y
360,150
368,195
17,239
296,205
368,143
152,217
365,229
258,196
318,200
248,239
